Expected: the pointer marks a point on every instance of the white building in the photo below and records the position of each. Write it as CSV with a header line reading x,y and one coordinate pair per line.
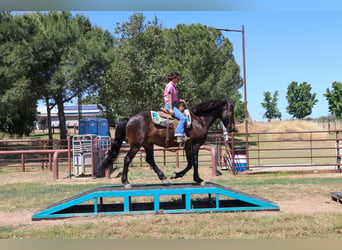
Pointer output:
x,y
71,115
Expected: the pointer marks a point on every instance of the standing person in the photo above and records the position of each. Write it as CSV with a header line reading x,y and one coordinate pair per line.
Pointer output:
x,y
171,100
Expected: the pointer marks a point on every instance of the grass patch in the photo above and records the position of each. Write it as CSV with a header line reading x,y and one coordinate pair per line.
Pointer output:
x,y
15,196
286,178
6,230
194,226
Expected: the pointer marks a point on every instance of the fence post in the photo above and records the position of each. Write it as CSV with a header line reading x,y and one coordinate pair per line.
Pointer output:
x,y
218,143
311,155
338,156
92,155
177,159
258,142
23,162
50,162
233,153
69,157
164,156
55,165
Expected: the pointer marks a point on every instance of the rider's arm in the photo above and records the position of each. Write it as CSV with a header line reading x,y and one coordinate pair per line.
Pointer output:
x,y
170,103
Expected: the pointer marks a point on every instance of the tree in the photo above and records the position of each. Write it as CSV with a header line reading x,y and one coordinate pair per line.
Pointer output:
x,y
270,104
71,58
55,57
334,98
17,96
300,100
134,80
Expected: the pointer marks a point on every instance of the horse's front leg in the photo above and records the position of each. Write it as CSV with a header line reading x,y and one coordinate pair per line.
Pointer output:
x,y
197,179
190,152
180,174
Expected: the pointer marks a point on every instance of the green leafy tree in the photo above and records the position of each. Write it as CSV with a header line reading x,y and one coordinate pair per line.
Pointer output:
x,y
270,104
53,56
134,81
300,100
334,98
72,56
17,96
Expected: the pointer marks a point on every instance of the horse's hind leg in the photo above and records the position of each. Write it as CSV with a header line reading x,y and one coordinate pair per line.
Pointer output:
x,y
150,160
127,160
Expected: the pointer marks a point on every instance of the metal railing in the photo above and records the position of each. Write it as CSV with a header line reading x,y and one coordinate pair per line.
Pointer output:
x,y
21,154
318,150
265,151
33,153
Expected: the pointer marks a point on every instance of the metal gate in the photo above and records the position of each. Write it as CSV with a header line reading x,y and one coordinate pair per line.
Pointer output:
x,y
88,153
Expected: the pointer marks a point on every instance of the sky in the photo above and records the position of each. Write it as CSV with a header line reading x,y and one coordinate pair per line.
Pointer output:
x,y
285,41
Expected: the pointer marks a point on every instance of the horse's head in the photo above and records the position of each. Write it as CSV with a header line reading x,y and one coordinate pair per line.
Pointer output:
x,y
228,116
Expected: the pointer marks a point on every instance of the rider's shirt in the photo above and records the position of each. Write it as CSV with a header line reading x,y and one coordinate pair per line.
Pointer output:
x,y
170,89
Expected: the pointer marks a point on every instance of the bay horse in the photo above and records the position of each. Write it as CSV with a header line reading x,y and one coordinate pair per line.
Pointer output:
x,y
142,132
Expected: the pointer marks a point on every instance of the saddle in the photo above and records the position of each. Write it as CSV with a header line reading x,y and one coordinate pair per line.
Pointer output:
x,y
163,118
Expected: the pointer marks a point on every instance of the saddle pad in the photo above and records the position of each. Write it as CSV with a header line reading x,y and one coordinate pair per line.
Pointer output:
x,y
188,118
157,119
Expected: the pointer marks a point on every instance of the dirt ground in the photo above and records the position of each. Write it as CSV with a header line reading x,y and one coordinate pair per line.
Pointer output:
x,y
316,204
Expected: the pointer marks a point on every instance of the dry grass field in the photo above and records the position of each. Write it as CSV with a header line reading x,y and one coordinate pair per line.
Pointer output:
x,y
290,126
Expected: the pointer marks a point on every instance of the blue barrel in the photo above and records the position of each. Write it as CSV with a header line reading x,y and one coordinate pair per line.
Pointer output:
x,y
102,127
92,126
240,162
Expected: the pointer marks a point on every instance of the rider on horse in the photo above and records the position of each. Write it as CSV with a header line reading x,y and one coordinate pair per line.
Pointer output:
x,y
171,100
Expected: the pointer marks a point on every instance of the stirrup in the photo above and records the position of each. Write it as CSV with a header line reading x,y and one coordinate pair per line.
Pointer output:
x,y
181,139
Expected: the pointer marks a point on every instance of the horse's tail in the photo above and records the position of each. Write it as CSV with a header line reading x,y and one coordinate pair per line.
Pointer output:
x,y
120,134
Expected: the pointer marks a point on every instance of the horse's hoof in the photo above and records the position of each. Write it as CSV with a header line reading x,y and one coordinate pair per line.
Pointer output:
x,y
202,183
166,182
100,174
173,176
128,186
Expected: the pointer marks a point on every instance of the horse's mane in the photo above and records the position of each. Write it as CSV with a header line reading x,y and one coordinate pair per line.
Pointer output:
x,y
208,106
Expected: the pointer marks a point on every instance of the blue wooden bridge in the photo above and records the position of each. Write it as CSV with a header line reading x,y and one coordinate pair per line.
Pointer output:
x,y
155,198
